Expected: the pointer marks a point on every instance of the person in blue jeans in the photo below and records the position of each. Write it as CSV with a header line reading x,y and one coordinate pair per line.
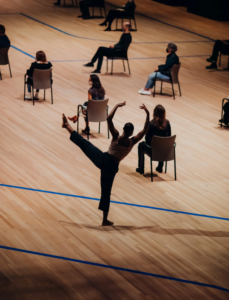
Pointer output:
x,y
108,162
162,71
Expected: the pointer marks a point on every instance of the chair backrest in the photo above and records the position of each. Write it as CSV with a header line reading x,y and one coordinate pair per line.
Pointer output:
x,y
42,79
4,60
163,148
97,110
174,73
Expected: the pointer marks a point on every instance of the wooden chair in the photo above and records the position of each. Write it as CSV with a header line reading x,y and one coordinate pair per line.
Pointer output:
x,y
4,59
100,4
163,149
222,116
174,79
130,17
119,55
224,54
97,111
41,80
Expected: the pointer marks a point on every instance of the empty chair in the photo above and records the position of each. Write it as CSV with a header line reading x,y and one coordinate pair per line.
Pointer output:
x,y
173,80
97,111
100,4
119,55
129,17
4,59
163,149
41,80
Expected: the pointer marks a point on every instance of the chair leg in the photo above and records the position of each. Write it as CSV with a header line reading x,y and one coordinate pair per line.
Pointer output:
x,y
107,64
135,24
151,165
51,94
107,125
222,114
173,92
161,88
128,65
179,87
33,95
116,23
99,127
124,66
175,173
219,59
44,94
24,88
166,167
0,75
10,70
112,67
154,90
78,114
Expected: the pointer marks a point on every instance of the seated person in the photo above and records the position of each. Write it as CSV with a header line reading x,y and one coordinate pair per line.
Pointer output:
x,y
41,63
4,41
222,46
126,11
163,71
225,119
119,49
96,92
159,126
84,7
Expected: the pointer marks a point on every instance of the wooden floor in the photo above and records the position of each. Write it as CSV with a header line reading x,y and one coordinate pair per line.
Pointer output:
x,y
35,152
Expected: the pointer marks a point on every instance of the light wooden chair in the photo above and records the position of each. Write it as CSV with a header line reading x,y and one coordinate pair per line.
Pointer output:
x,y
4,59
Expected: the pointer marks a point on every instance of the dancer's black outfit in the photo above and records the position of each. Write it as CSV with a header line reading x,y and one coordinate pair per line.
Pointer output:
x,y
119,50
146,146
123,12
104,162
4,41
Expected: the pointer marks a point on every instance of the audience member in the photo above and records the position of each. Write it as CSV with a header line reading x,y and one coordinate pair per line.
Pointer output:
x,y
219,46
96,92
4,40
126,11
84,7
159,126
41,63
225,118
162,71
118,49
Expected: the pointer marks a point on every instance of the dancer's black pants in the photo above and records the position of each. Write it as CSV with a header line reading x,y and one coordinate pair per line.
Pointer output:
x,y
219,46
102,51
143,148
113,14
104,162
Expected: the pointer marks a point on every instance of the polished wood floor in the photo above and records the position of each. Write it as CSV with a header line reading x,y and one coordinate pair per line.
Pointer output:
x,y
35,152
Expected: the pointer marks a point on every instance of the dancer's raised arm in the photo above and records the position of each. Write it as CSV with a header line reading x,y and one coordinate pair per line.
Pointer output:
x,y
140,135
111,127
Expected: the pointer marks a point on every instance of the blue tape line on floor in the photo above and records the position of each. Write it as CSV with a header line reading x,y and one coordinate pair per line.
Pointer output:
x,y
116,202
22,51
117,268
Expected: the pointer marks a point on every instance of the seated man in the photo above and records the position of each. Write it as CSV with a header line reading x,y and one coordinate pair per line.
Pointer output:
x,y
126,11
163,71
225,118
119,49
219,46
4,41
84,7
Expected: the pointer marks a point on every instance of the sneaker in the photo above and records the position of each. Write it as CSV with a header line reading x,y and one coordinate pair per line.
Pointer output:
x,y
103,24
213,66
96,71
159,170
28,97
210,60
143,92
90,64
139,92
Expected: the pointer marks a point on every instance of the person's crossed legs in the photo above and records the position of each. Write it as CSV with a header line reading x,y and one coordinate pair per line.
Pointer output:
x,y
102,51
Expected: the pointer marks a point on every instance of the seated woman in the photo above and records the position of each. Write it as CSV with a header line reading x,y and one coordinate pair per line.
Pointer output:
x,y
96,92
41,63
126,11
159,126
225,118
163,71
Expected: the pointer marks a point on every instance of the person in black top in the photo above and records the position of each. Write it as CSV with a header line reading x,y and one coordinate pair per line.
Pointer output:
x,y
126,11
96,92
219,46
41,63
4,40
84,7
119,49
225,118
159,126
163,71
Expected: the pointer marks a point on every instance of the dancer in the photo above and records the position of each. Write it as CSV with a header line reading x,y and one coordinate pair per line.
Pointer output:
x,y
108,162
119,49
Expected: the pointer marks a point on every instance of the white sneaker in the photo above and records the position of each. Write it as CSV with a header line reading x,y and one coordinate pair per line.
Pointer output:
x,y
28,97
139,92
145,92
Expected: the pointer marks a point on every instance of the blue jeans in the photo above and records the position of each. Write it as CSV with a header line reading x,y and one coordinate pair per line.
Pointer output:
x,y
151,79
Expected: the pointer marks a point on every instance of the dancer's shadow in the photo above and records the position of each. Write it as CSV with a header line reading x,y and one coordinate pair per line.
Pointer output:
x,y
153,229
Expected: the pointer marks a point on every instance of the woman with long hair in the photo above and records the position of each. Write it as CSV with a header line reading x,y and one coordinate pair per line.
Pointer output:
x,y
96,92
41,63
159,126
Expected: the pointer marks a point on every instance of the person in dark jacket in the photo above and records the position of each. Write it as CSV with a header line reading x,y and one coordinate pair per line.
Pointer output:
x,y
126,11
4,40
219,46
41,63
159,126
163,71
225,118
118,49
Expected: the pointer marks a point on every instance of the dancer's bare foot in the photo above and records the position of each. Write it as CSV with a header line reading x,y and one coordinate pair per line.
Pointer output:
x,y
73,119
107,223
65,121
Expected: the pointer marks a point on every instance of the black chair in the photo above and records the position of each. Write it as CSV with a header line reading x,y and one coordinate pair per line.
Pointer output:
x,y
118,55
223,101
225,54
73,4
4,59
173,80
100,4
130,17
